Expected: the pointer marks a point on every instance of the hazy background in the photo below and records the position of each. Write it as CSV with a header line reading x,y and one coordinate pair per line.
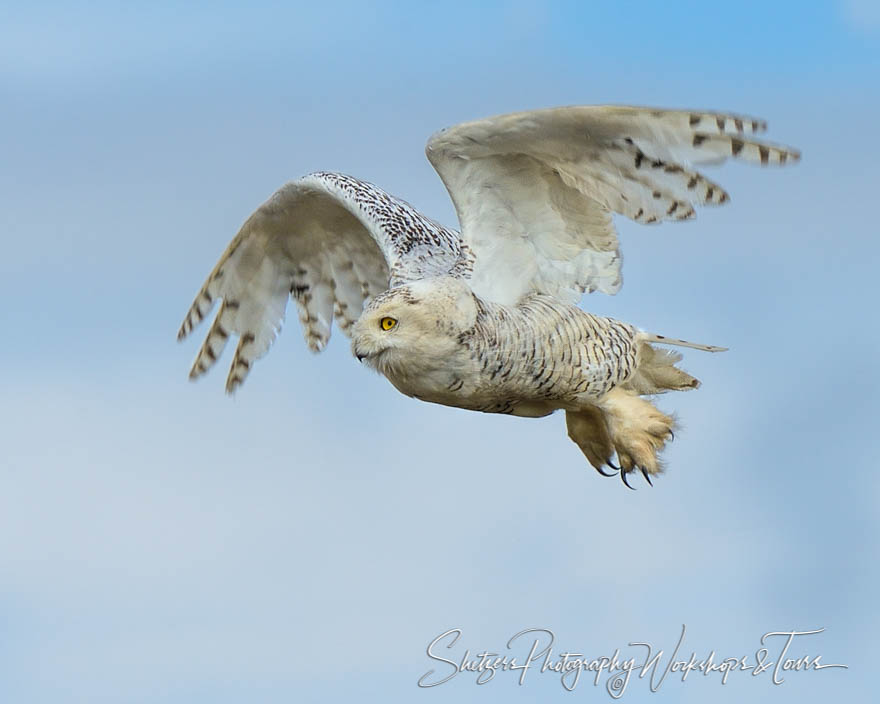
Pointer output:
x,y
160,542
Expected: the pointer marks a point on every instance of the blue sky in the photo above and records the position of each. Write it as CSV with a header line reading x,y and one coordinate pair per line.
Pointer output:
x,y
160,542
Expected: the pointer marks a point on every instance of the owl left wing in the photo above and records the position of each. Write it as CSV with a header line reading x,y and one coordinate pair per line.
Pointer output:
x,y
535,191
329,241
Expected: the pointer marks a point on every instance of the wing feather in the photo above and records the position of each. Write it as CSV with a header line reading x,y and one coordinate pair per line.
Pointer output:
x,y
329,241
535,191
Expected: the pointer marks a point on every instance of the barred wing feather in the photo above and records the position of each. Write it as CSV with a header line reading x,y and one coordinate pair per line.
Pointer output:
x,y
535,191
331,242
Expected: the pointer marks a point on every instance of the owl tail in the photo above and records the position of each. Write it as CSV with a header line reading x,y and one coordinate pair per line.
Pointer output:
x,y
647,337
656,372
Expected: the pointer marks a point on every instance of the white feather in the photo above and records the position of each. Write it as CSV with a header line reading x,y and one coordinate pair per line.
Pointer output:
x,y
552,178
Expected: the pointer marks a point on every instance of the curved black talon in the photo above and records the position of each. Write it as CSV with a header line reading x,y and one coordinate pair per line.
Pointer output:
x,y
605,474
646,476
623,478
672,436
612,465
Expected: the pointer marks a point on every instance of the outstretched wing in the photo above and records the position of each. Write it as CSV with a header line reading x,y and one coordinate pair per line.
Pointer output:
x,y
331,242
535,191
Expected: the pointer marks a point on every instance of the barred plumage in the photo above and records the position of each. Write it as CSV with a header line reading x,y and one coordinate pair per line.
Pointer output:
x,y
541,349
483,319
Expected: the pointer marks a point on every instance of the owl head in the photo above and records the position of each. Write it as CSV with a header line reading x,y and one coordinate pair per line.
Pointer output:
x,y
417,325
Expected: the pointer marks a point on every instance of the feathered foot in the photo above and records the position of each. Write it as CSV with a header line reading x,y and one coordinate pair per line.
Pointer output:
x,y
625,424
638,431
588,429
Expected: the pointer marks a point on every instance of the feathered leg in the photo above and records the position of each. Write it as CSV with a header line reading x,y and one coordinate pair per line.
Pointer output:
x,y
588,429
638,430
624,423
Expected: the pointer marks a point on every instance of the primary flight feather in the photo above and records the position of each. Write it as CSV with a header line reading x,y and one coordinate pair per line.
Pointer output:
x,y
485,319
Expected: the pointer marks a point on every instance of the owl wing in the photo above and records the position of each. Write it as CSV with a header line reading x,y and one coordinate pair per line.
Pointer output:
x,y
331,242
535,191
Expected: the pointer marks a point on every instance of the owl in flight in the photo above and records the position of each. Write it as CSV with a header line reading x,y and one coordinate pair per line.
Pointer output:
x,y
486,319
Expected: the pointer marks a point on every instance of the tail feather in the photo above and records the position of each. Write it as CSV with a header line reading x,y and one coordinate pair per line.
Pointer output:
x,y
648,337
656,372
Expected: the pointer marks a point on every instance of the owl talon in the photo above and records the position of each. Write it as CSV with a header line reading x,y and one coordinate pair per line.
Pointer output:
x,y
671,436
628,485
604,473
612,465
637,431
646,476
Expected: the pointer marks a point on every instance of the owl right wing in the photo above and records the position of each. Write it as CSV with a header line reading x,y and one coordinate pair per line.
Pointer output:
x,y
535,191
331,242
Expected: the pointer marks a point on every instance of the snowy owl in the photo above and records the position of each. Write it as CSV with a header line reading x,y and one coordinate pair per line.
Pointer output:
x,y
486,319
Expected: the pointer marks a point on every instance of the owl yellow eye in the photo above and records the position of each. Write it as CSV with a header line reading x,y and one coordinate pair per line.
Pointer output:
x,y
387,323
